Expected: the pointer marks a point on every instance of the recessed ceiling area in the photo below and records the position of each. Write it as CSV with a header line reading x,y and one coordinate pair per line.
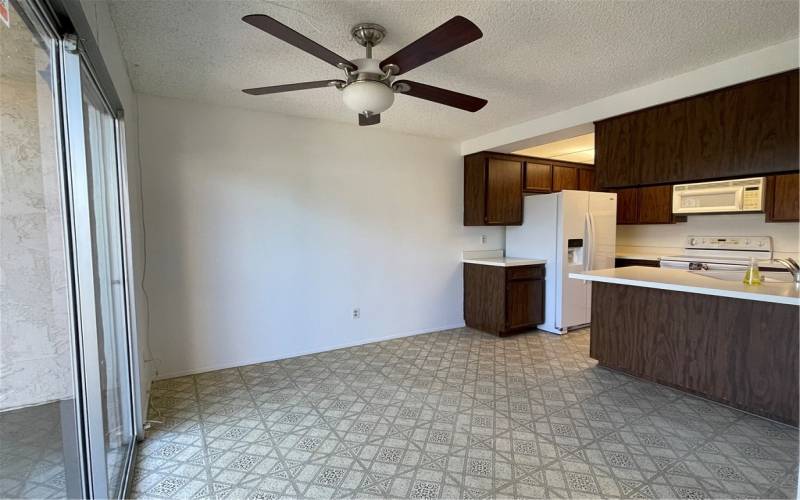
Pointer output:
x,y
535,58
578,149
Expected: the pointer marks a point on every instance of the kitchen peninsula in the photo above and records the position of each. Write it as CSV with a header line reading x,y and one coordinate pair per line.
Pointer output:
x,y
711,336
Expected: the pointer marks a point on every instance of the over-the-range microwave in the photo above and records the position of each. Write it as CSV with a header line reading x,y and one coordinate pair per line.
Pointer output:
x,y
740,195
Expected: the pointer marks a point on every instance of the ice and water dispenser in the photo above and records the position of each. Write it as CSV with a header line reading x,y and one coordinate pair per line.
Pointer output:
x,y
575,251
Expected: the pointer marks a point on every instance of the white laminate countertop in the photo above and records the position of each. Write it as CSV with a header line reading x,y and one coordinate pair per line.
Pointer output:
x,y
638,256
504,261
680,280
646,253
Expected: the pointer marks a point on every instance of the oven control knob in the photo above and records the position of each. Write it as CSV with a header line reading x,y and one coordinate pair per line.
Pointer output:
x,y
693,241
761,243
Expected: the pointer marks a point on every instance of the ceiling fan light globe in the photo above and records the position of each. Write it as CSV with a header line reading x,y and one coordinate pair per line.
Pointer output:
x,y
368,96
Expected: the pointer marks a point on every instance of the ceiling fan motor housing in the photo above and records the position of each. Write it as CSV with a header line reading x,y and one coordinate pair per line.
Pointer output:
x,y
370,91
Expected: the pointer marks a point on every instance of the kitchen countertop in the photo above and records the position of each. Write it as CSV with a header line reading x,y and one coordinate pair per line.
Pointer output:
x,y
504,261
637,256
681,280
645,253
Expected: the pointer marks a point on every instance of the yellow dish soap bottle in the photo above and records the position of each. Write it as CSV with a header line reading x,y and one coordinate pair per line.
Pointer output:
x,y
752,276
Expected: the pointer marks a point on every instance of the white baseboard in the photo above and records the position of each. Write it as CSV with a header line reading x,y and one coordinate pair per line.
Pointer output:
x,y
211,368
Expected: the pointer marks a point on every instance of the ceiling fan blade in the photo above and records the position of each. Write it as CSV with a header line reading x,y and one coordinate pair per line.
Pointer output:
x,y
364,120
293,86
290,36
453,34
442,96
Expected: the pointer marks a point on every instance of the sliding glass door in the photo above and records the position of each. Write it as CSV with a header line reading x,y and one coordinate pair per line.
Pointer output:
x,y
95,175
67,389
103,182
40,427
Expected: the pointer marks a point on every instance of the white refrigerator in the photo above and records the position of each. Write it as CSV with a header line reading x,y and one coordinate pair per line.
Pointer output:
x,y
574,231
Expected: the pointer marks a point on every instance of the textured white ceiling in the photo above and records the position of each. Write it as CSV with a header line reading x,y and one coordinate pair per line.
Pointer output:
x,y
535,58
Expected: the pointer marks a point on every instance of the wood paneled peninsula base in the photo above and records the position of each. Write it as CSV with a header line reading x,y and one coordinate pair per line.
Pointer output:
x,y
740,352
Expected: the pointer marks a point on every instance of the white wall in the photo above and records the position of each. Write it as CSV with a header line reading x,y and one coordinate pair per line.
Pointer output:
x,y
785,235
265,231
104,32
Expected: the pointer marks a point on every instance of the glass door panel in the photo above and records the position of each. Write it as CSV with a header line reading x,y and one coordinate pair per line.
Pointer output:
x,y
39,427
109,283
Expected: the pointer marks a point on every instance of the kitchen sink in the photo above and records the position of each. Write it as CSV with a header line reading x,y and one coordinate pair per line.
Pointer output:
x,y
766,276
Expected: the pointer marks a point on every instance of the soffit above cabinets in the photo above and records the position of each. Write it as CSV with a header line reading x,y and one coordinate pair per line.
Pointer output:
x,y
578,149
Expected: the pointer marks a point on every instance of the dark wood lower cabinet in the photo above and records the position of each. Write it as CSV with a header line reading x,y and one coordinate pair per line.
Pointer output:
x,y
503,300
740,352
524,303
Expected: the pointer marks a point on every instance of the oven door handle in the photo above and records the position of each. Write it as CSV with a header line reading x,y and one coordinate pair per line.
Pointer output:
x,y
726,267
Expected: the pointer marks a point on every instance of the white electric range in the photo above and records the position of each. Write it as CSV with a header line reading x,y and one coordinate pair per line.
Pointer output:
x,y
720,253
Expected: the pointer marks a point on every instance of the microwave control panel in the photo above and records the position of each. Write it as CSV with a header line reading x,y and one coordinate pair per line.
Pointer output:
x,y
751,198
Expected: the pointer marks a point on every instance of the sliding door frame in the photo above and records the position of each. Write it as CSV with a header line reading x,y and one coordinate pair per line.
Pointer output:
x,y
75,65
83,269
73,50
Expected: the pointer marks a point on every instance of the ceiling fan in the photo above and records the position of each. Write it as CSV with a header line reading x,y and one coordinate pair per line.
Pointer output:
x,y
369,85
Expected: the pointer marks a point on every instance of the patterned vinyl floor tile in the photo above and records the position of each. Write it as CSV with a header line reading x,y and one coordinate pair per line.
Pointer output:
x,y
31,454
453,414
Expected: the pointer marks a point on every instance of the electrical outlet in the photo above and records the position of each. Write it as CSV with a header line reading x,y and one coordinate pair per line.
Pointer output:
x,y
483,239
356,313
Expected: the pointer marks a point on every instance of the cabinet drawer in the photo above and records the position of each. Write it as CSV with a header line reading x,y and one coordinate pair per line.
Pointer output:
x,y
525,272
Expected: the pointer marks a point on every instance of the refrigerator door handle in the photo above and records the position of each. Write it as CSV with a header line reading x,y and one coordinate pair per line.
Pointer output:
x,y
587,265
592,236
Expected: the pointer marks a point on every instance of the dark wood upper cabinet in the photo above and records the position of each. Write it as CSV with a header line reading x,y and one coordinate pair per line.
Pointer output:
x,y
711,138
749,129
627,205
538,177
658,140
586,179
793,127
763,140
503,192
494,184
655,205
646,205
782,203
492,190
745,130
613,160
564,178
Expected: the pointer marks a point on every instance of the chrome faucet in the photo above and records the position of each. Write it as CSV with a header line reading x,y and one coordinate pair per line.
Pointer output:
x,y
790,264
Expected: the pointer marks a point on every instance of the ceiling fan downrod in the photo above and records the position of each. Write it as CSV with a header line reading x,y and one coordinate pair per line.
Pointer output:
x,y
368,35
